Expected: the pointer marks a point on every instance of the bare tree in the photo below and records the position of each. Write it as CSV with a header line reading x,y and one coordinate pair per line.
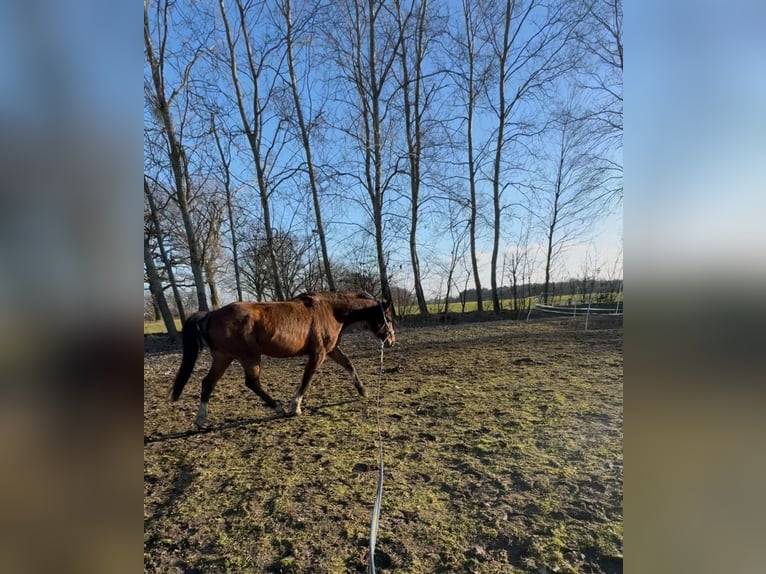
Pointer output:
x,y
210,234
225,158
601,77
292,251
590,271
156,231
503,111
531,56
161,104
518,265
601,41
573,194
365,49
255,275
254,124
155,287
153,277
359,268
415,105
304,127
471,81
458,229
371,76
614,271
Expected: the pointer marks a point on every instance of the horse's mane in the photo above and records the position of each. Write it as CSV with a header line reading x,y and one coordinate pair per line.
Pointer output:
x,y
308,296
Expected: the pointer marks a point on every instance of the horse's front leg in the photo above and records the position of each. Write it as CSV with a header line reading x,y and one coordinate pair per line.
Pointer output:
x,y
340,357
315,361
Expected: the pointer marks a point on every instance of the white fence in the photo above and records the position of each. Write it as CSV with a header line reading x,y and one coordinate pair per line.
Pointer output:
x,y
586,308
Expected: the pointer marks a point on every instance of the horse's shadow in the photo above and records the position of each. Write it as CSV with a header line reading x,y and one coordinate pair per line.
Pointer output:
x,y
212,428
239,423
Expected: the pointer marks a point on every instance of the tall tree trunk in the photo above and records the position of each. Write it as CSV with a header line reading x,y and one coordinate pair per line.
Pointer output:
x,y
153,213
514,287
177,162
449,287
268,229
215,300
502,117
553,222
234,245
304,132
413,114
226,163
548,256
369,82
375,89
155,287
253,132
472,169
211,246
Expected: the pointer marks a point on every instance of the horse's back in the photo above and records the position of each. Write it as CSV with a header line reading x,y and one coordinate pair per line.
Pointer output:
x,y
277,329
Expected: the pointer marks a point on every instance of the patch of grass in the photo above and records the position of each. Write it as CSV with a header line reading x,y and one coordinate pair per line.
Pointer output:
x,y
158,327
503,453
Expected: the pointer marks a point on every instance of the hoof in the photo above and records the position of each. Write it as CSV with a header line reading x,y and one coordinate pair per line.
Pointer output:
x,y
198,428
295,408
279,410
362,391
294,411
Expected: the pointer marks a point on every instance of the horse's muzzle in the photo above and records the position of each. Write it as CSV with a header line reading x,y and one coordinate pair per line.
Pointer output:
x,y
386,336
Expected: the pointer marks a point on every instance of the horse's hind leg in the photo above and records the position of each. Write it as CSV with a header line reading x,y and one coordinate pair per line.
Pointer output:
x,y
340,357
253,382
219,366
314,363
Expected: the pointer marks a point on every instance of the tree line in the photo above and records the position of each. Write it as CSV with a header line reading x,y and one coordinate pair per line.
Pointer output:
x,y
369,144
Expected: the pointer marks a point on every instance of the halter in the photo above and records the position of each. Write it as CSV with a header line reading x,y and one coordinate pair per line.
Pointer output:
x,y
386,324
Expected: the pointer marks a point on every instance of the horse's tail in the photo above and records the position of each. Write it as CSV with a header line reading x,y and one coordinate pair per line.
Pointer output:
x,y
193,336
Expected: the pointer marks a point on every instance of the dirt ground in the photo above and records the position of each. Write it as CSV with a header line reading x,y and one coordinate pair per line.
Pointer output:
x,y
503,453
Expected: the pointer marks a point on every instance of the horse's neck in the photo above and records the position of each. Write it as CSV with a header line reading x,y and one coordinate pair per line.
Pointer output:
x,y
356,312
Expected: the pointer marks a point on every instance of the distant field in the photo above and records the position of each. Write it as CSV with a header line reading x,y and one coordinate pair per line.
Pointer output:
x,y
156,327
503,453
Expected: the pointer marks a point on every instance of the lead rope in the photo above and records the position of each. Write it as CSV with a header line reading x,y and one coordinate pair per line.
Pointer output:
x,y
379,492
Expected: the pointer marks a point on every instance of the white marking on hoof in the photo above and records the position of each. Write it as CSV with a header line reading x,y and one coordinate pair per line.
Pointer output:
x,y
201,415
295,407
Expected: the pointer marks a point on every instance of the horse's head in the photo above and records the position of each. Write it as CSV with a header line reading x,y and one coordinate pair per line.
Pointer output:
x,y
383,324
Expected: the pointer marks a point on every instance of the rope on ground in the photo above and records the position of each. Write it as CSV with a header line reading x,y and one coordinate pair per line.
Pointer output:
x,y
379,492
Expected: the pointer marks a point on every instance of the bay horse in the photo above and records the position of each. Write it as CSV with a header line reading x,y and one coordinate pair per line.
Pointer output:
x,y
310,324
